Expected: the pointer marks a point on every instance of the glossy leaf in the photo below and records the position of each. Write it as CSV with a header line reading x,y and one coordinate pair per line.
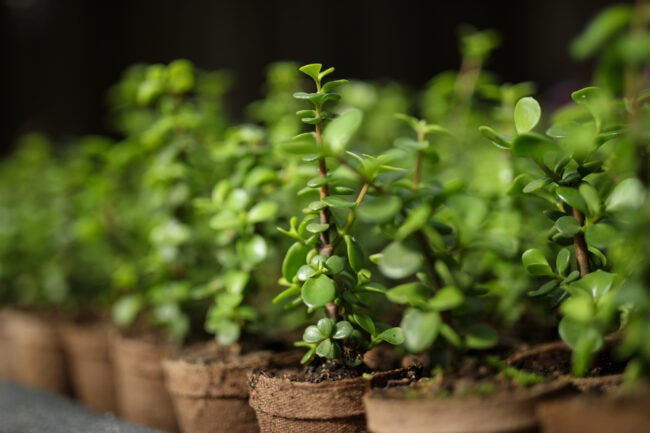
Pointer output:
x,y
447,298
420,329
534,146
262,211
312,70
562,260
294,259
379,209
326,349
253,250
545,288
339,131
499,140
527,114
415,220
317,228
601,235
355,255
325,326
413,294
313,335
342,330
335,264
568,226
628,194
365,321
318,291
535,263
572,197
399,261
394,336
338,202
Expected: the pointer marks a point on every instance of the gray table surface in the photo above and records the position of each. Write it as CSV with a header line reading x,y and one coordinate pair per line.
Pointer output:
x,y
25,410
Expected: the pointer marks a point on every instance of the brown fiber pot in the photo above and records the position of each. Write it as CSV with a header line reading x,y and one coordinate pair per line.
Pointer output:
x,y
287,406
90,364
37,356
597,414
399,410
139,382
6,371
209,388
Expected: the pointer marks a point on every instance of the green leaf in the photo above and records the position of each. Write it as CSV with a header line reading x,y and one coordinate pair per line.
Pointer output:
x,y
253,251
415,220
355,255
313,335
413,294
535,263
302,144
325,73
399,261
332,85
596,101
262,211
379,209
338,202
598,283
225,220
572,197
317,228
259,176
325,326
304,272
579,308
286,294
447,298
394,336
562,260
499,140
365,321
335,264
228,332
600,30
326,349
534,146
583,339
591,197
339,131
410,144
420,329
318,291
568,226
126,309
628,194
294,259
481,336
545,289
312,70
235,281
536,185
601,235
342,330
527,114
450,335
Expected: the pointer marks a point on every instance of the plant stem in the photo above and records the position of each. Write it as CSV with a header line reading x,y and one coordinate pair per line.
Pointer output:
x,y
582,253
326,247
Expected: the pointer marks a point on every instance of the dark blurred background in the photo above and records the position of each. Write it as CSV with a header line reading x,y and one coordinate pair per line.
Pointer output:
x,y
60,56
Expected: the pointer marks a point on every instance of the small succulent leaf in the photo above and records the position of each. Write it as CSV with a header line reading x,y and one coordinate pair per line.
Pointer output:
x,y
562,261
450,335
294,259
318,291
545,288
355,255
527,114
601,235
302,144
262,211
325,73
286,294
534,146
335,264
309,355
394,336
399,261
600,30
339,131
499,140
536,185
535,263
342,330
332,85
312,70
481,336
568,226
327,349
325,326
591,197
572,197
305,272
628,194
420,329
410,144
337,202
126,309
415,220
253,250
579,308
317,228
365,321
379,209
413,294
447,298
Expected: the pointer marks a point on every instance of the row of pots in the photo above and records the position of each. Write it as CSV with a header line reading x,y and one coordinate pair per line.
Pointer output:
x,y
207,388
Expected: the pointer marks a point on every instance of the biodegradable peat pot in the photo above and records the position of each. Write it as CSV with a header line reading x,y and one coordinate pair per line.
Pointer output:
x,y
37,356
413,409
209,389
90,363
597,414
285,405
6,371
139,381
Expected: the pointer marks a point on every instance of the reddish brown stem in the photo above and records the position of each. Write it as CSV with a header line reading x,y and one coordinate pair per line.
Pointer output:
x,y
582,253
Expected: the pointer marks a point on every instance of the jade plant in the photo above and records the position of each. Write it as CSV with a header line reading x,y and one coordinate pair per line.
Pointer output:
x,y
324,269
